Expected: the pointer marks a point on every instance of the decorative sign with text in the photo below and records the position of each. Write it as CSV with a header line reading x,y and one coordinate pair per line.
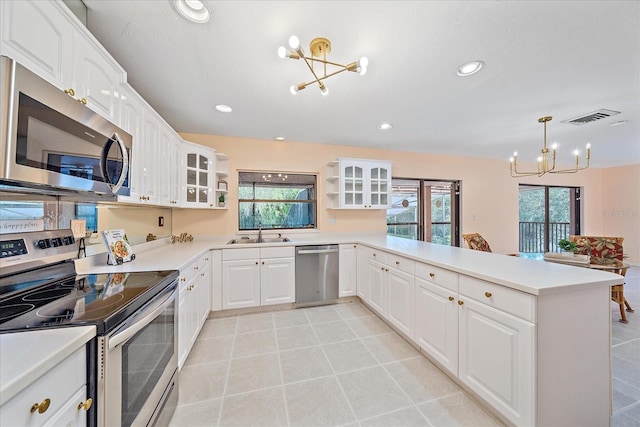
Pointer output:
x,y
10,226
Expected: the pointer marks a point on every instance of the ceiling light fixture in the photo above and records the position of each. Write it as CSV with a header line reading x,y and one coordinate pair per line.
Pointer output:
x,y
543,161
279,138
385,126
317,62
192,10
618,123
224,108
470,68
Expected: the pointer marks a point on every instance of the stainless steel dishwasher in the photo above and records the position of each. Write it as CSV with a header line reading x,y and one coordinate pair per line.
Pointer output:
x,y
316,274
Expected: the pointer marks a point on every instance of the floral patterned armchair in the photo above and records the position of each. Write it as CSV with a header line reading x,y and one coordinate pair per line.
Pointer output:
x,y
606,251
476,242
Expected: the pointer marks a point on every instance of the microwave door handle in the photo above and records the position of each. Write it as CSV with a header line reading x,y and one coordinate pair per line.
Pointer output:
x,y
148,316
125,162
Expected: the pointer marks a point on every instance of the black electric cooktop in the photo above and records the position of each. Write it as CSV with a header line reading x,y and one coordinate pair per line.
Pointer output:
x,y
56,296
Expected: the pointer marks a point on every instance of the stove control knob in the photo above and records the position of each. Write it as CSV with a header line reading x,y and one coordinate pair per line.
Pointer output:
x,y
43,243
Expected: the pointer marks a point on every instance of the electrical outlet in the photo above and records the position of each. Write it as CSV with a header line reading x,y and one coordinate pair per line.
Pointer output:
x,y
160,221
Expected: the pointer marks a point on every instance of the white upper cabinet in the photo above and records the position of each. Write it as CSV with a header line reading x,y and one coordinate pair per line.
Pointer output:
x,y
62,52
131,120
197,182
96,77
359,184
47,51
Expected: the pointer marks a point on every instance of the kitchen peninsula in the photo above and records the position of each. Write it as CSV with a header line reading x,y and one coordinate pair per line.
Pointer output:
x,y
507,329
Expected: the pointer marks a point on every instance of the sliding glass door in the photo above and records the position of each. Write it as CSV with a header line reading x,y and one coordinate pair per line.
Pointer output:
x,y
547,215
425,210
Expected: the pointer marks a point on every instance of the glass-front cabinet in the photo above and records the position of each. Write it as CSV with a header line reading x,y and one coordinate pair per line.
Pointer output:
x,y
197,189
359,184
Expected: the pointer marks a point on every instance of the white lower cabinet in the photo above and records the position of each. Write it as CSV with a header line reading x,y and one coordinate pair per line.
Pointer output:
x,y
252,277
53,399
347,270
496,359
376,278
194,304
400,297
436,319
362,282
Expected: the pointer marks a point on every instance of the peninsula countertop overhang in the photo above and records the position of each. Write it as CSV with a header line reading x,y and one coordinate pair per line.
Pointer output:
x,y
534,277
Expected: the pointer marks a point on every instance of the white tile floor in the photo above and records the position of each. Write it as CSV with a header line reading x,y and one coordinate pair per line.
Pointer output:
x,y
626,357
322,366
341,365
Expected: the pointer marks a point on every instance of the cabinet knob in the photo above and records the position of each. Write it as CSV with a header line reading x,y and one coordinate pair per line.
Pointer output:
x,y
86,404
206,259
487,294
397,262
432,275
262,262
182,279
374,254
256,262
70,92
354,246
386,269
451,298
382,268
82,101
41,407
460,302
195,267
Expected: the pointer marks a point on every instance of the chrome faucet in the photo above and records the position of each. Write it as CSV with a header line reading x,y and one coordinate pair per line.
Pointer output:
x,y
260,232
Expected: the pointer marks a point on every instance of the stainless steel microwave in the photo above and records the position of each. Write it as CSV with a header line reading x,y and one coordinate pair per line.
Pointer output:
x,y
49,140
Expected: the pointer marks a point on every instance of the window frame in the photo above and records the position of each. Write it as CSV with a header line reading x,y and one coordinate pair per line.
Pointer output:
x,y
313,201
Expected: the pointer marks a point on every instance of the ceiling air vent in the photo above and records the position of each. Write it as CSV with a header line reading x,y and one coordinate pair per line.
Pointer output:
x,y
591,117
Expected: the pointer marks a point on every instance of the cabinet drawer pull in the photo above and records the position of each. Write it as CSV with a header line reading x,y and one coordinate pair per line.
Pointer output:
x,y
183,279
82,101
195,267
397,262
487,294
460,302
432,275
451,298
86,404
70,92
41,407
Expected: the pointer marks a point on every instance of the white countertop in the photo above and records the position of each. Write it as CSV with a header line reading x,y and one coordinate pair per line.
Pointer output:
x,y
26,356
531,276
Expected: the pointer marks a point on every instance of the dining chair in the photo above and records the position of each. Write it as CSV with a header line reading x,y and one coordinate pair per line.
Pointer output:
x,y
476,242
606,252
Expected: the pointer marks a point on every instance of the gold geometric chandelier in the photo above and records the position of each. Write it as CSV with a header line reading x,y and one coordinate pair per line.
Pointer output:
x,y
544,166
317,62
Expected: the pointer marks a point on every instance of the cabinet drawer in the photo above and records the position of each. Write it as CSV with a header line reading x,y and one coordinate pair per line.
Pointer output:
x,y
58,385
278,252
204,261
239,254
189,272
400,263
376,255
445,278
518,303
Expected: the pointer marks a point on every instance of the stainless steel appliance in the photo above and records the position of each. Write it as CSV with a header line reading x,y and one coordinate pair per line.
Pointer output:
x,y
316,274
48,139
133,362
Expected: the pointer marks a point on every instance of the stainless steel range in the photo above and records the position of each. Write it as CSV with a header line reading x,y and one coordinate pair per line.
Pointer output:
x,y
132,372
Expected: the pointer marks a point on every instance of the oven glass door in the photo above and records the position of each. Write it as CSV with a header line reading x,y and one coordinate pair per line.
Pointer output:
x,y
145,358
78,155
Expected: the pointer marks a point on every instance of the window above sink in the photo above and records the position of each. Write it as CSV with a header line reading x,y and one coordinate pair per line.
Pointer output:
x,y
272,200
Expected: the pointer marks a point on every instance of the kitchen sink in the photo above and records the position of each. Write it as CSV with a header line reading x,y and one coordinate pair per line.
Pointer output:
x,y
247,240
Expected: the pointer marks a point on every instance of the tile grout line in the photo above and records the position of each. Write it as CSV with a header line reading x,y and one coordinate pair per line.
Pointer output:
x,y
284,395
226,380
335,376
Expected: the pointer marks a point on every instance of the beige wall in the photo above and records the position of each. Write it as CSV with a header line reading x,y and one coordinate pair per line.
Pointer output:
x,y
489,194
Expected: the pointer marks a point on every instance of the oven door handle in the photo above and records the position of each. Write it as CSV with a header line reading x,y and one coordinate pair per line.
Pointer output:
x,y
147,316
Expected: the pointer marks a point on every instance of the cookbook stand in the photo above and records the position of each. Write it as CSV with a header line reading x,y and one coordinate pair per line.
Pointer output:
x,y
118,249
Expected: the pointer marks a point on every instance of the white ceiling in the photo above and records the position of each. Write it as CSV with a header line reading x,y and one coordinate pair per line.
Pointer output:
x,y
558,58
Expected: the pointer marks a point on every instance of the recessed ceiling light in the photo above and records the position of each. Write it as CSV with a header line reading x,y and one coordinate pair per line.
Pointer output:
x,y
279,138
224,108
618,123
385,126
470,68
193,10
